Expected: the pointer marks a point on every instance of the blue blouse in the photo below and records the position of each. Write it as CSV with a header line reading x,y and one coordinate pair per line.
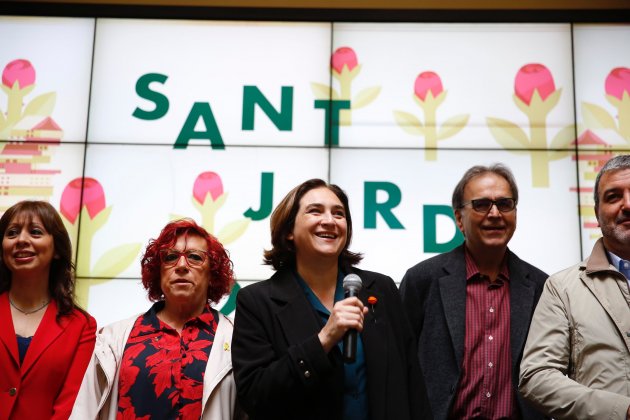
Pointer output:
x,y
23,343
355,406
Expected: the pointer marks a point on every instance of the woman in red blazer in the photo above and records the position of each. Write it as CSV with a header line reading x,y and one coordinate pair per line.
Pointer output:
x,y
46,341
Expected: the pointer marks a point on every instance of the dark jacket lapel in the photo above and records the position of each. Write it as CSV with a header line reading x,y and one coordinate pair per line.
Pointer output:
x,y
522,296
453,294
376,347
295,315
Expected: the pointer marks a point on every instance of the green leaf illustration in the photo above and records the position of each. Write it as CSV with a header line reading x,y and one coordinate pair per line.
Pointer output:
x,y
322,91
597,117
116,260
366,96
232,231
507,134
42,105
452,126
409,122
564,138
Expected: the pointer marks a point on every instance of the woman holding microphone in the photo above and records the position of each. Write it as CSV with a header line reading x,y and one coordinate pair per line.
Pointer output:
x,y
287,345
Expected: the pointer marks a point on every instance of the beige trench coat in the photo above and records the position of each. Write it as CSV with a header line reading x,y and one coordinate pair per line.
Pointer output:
x,y
576,362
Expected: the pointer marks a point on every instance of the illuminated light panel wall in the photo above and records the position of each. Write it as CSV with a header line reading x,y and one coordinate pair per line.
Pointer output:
x,y
146,121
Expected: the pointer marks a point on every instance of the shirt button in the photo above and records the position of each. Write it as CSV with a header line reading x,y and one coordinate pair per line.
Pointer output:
x,y
488,394
301,363
12,392
307,374
491,310
491,338
490,364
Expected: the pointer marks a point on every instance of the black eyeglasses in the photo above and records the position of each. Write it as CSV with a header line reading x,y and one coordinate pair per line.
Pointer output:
x,y
483,205
194,257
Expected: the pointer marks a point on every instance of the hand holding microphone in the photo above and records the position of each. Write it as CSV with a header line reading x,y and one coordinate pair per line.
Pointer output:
x,y
351,286
346,319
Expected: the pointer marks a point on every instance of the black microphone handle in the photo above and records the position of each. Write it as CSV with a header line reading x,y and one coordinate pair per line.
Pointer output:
x,y
350,338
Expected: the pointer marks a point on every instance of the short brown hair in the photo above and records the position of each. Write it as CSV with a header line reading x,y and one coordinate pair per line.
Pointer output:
x,y
282,253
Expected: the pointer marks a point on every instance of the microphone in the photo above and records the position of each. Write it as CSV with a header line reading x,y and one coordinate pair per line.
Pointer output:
x,y
351,286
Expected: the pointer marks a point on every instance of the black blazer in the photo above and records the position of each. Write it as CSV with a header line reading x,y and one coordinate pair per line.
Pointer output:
x,y
434,296
282,372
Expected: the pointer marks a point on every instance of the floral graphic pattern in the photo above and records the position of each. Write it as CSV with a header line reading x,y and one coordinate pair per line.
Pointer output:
x,y
33,136
345,68
161,371
617,93
208,197
535,95
83,199
429,95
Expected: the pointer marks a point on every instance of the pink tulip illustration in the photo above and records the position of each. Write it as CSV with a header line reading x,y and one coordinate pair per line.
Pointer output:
x,y
86,197
533,77
429,93
20,72
18,80
344,57
208,197
93,198
618,82
535,94
345,68
428,81
617,93
207,183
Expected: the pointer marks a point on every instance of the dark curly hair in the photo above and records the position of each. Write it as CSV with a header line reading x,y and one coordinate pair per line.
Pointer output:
x,y
282,253
61,281
221,273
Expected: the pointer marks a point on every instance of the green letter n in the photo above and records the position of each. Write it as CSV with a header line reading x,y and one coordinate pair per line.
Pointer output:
x,y
283,119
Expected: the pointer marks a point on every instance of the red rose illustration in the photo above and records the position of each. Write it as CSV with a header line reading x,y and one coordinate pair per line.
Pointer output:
x,y
207,183
93,198
20,71
618,82
532,77
344,56
425,82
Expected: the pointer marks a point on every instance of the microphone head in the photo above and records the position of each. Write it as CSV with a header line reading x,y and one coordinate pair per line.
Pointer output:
x,y
352,282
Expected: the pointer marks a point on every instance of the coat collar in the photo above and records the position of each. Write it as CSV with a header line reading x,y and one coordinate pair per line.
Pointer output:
x,y
219,363
47,332
609,287
7,333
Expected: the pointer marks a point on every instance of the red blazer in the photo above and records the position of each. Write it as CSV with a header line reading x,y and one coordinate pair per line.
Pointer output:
x,y
46,384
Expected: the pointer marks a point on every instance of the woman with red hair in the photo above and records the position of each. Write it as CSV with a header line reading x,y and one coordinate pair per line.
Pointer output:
x,y
174,360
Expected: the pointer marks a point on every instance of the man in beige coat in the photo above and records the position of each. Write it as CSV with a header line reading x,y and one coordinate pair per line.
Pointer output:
x,y
576,363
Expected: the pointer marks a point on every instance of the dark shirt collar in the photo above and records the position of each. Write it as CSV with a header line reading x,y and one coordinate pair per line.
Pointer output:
x,y
206,320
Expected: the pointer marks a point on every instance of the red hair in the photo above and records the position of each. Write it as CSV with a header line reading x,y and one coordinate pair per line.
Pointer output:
x,y
221,273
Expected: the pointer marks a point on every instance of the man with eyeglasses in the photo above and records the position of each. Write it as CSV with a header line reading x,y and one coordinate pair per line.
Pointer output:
x,y
471,307
576,363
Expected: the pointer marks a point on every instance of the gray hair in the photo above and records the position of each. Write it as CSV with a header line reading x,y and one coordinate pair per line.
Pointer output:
x,y
614,164
498,169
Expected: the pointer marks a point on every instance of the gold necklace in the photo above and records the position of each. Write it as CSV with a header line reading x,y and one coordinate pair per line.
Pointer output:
x,y
28,312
